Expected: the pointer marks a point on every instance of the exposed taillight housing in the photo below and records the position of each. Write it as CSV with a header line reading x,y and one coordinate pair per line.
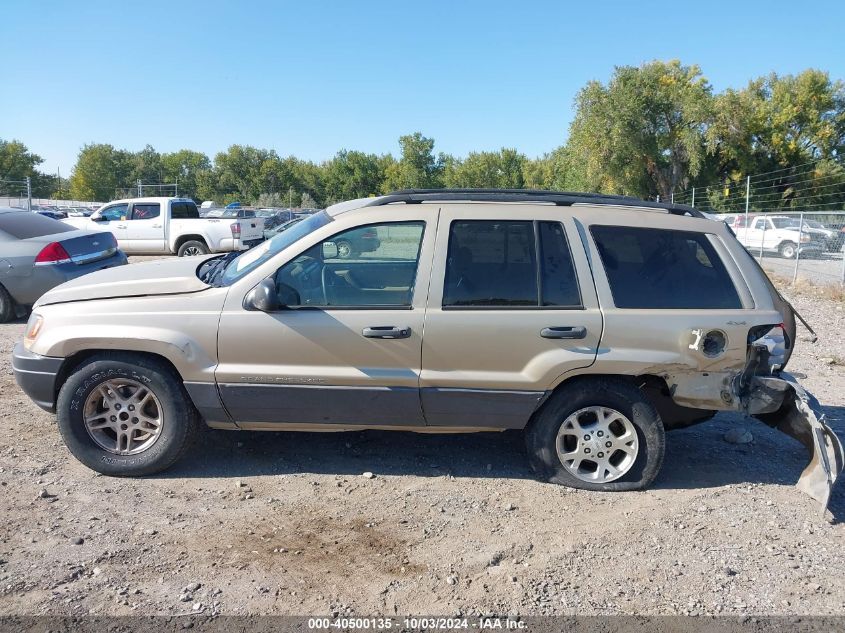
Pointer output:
x,y
236,231
53,253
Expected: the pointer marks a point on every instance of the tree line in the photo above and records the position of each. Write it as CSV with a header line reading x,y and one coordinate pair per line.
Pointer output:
x,y
651,130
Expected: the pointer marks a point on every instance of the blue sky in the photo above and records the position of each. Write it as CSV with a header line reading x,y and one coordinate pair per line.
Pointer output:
x,y
310,77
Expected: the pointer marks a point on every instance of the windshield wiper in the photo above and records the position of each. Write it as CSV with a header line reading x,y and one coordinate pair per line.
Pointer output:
x,y
216,268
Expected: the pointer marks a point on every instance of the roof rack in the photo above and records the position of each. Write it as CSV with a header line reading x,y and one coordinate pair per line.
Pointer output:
x,y
559,198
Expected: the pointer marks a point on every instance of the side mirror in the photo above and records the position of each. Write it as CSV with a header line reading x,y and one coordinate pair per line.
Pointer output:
x,y
98,218
263,298
329,250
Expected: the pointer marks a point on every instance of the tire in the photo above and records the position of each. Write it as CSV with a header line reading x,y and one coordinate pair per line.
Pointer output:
x,y
643,423
192,248
7,306
178,420
344,249
788,250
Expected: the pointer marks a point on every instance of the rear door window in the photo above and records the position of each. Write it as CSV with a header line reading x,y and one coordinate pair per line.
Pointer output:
x,y
659,268
184,211
146,210
509,264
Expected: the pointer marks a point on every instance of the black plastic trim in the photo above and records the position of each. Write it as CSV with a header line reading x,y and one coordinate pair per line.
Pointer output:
x,y
322,404
492,408
36,376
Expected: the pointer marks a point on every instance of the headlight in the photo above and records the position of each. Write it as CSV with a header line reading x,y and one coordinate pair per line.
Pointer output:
x,y
33,329
806,238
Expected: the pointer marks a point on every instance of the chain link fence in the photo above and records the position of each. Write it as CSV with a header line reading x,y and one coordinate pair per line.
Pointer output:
x,y
20,202
808,245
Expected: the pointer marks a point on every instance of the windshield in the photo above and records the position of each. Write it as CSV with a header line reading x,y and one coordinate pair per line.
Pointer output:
x,y
785,223
253,258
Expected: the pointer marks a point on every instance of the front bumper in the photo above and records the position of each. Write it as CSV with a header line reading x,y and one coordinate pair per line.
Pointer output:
x,y
36,376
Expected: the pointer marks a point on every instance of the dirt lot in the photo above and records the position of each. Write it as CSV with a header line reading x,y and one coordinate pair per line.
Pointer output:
x,y
287,523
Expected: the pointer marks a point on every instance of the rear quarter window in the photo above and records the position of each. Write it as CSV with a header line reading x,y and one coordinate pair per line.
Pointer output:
x,y
663,269
25,225
184,211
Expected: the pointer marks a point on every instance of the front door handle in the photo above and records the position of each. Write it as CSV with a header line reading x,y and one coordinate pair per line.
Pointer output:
x,y
386,331
578,331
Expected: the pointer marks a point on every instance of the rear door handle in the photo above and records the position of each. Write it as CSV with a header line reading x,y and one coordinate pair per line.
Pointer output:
x,y
386,331
578,331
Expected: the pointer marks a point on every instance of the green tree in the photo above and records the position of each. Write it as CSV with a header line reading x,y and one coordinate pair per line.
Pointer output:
x,y
146,167
643,133
100,172
352,174
502,169
18,163
185,168
418,168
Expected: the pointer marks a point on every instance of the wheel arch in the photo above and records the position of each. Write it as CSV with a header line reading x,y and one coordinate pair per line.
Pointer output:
x,y
189,238
653,387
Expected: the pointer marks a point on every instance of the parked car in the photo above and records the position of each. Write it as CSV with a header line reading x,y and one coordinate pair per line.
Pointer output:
x,y
231,213
171,226
38,253
594,323
778,234
354,243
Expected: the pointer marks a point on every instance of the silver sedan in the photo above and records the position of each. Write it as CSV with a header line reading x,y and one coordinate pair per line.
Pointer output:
x,y
38,253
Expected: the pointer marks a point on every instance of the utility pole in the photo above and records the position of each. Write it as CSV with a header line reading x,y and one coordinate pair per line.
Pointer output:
x,y
176,193
290,198
29,194
139,188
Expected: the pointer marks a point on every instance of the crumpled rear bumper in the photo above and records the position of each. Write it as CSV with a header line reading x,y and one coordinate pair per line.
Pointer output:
x,y
782,403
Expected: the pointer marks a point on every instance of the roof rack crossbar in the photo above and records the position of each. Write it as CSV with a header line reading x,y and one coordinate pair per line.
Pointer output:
x,y
560,198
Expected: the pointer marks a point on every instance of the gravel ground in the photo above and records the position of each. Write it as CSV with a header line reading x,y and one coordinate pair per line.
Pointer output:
x,y
287,523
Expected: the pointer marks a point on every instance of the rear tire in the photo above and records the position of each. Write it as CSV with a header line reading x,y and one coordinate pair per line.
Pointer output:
x,y
192,248
103,389
636,437
7,306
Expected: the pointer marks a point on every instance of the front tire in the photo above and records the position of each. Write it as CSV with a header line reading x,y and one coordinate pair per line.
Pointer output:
x,y
597,434
192,248
788,250
126,415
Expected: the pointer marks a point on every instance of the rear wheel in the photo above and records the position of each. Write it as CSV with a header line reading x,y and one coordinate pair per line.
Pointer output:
x,y
7,305
192,248
597,434
126,415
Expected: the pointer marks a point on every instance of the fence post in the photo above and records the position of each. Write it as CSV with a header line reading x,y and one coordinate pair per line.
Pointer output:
x,y
747,200
29,194
798,249
693,197
139,188
762,241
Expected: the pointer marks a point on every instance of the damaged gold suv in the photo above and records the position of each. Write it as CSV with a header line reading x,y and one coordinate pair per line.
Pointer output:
x,y
593,322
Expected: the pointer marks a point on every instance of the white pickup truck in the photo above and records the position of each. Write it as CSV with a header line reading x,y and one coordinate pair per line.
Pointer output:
x,y
170,225
777,234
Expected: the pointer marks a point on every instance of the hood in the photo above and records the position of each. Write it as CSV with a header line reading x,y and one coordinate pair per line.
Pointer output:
x,y
160,277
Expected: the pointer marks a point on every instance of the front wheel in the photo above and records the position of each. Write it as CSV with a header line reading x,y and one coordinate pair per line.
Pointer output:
x,y
125,415
344,249
597,434
192,248
788,250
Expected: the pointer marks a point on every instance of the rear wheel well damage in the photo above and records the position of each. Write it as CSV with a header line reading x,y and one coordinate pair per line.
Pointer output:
x,y
655,389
